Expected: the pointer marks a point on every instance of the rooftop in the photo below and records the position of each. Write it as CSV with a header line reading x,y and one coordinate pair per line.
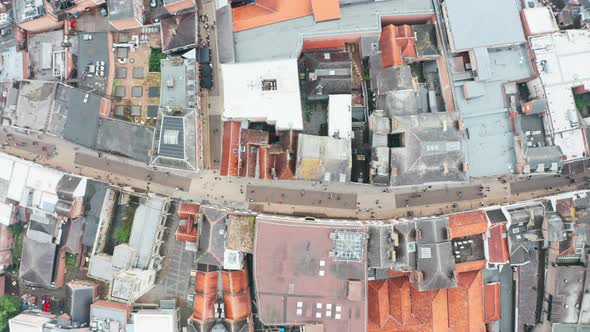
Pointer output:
x,y
175,140
299,278
431,149
473,24
37,262
178,83
47,56
560,61
179,33
111,132
92,63
286,36
121,9
323,158
211,240
255,90
27,10
147,225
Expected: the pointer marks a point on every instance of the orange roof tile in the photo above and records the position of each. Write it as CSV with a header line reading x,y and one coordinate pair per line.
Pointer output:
x,y
230,149
323,44
468,223
498,244
390,50
395,305
265,12
206,282
378,308
234,281
325,10
237,306
187,209
470,266
492,302
204,307
466,303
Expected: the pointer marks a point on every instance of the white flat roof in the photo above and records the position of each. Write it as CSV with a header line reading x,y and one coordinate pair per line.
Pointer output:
x,y
6,167
28,323
340,116
5,213
245,99
539,20
17,181
155,320
562,62
572,143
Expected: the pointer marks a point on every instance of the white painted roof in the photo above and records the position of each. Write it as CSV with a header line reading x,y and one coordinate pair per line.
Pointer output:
x,y
155,320
244,98
539,20
5,213
28,323
6,165
17,181
562,62
340,116
571,143
43,179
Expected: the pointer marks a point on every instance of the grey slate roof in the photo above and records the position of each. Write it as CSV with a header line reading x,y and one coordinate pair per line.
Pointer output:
x,y
93,201
146,226
211,239
37,262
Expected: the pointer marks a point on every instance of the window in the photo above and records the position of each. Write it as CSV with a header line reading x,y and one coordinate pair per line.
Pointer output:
x,y
269,85
396,140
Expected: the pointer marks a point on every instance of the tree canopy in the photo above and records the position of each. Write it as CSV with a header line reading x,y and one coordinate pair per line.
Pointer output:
x,y
9,307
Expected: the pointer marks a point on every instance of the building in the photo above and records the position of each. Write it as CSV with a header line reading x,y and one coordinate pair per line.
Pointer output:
x,y
58,109
38,15
29,322
42,265
254,91
110,316
538,21
323,158
304,25
340,116
79,297
175,6
177,139
427,148
328,73
211,237
126,14
179,33
472,24
310,272
165,320
131,270
222,289
562,71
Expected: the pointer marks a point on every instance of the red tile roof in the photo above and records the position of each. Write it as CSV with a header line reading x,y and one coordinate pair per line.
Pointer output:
x,y
396,305
465,303
323,44
265,12
470,266
231,148
390,51
468,223
250,144
236,295
498,244
325,10
187,230
492,302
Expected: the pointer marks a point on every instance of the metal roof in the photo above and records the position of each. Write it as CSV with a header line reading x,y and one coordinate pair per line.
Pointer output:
x,y
172,137
477,23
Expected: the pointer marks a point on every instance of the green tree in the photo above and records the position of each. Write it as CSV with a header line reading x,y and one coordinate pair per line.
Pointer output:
x,y
16,229
122,234
9,307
